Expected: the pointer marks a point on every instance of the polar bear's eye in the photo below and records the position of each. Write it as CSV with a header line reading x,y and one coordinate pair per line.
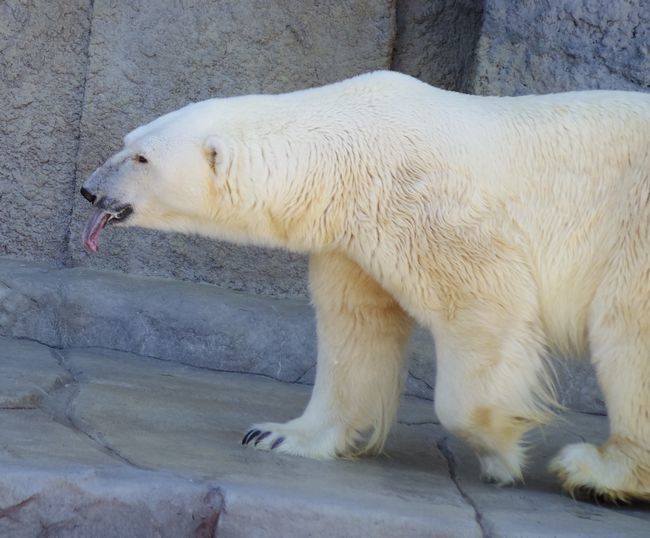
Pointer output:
x,y
141,159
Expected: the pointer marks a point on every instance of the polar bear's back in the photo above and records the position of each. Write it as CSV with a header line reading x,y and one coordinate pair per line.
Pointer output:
x,y
563,178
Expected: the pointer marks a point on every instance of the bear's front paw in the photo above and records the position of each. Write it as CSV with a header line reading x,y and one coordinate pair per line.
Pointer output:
x,y
293,438
256,436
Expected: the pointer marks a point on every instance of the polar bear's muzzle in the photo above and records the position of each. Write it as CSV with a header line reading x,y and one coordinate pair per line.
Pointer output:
x,y
105,212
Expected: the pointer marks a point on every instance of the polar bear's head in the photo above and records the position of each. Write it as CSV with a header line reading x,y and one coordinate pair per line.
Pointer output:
x,y
171,174
265,170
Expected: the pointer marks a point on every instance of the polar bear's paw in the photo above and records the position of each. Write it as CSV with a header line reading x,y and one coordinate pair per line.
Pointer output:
x,y
607,472
293,438
502,470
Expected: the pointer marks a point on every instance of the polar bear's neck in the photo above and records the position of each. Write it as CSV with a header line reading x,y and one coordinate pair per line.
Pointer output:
x,y
316,173
326,168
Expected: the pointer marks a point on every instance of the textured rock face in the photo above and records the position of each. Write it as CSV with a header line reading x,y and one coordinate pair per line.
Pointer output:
x,y
148,59
29,371
43,49
435,40
541,47
83,503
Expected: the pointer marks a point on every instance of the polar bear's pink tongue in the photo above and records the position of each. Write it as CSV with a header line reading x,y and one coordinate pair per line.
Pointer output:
x,y
93,228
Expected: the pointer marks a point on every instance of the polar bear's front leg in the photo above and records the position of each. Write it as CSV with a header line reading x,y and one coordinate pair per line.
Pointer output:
x,y
362,336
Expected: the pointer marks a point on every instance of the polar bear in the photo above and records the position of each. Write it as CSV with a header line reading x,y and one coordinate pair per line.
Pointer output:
x,y
510,227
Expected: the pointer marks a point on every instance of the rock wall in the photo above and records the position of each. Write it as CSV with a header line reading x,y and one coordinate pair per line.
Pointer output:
x,y
532,46
199,325
43,57
435,41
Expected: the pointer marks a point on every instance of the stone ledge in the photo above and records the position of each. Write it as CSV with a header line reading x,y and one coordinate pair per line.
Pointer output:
x,y
200,325
77,501
136,447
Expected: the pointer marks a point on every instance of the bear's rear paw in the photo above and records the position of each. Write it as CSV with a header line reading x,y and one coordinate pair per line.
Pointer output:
x,y
291,438
607,472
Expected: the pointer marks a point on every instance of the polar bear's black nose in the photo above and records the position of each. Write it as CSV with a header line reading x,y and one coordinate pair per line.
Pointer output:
x,y
88,195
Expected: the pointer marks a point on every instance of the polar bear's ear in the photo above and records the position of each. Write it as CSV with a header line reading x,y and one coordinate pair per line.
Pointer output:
x,y
218,153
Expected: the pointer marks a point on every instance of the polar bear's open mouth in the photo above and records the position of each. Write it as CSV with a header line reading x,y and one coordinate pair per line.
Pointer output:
x,y
98,221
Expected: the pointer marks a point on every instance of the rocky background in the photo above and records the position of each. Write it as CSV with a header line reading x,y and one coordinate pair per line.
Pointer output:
x,y
76,75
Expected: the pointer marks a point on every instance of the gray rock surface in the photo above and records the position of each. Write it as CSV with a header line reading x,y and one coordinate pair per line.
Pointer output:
x,y
60,499
132,446
43,47
515,512
29,371
542,47
201,325
148,60
436,39
197,324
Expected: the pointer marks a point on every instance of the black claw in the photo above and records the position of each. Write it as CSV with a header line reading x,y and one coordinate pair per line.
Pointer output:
x,y
263,436
252,434
277,442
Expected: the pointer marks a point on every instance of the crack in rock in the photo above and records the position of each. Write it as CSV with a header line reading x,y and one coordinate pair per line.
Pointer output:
x,y
59,349
421,380
443,447
419,423
59,407
298,380
10,511
215,501
66,254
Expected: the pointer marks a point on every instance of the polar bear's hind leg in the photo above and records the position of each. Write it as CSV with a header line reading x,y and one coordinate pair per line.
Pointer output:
x,y
619,334
491,399
620,468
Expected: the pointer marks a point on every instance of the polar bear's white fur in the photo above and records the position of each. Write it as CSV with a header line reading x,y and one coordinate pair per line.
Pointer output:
x,y
510,227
